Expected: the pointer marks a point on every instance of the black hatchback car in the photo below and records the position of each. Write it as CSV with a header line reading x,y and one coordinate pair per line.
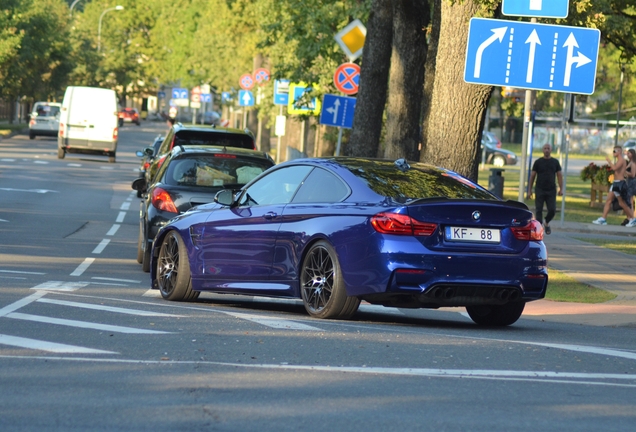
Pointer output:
x,y
189,176
181,134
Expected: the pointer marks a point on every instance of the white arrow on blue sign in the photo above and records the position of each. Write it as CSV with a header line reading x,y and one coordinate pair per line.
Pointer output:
x,y
179,93
536,8
337,111
205,97
532,56
246,98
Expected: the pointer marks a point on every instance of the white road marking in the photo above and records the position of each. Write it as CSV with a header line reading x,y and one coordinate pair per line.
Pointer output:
x,y
21,303
48,346
125,206
569,378
152,293
82,324
41,162
2,220
113,230
276,323
60,286
116,280
588,350
109,168
7,160
22,272
101,246
120,217
39,191
137,312
82,267
74,165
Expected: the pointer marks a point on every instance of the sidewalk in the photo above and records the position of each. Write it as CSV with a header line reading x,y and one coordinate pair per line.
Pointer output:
x,y
594,265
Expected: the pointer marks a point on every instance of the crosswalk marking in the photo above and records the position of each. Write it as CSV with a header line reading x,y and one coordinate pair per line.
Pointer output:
x,y
274,322
48,346
60,286
82,267
21,303
105,308
82,324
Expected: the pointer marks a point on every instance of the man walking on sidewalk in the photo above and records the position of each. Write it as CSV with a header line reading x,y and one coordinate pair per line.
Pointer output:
x,y
544,170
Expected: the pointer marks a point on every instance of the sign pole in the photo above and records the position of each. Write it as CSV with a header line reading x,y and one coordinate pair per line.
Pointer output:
x,y
527,114
280,113
339,141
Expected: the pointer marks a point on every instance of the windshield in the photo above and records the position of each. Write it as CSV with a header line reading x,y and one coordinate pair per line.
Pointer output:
x,y
46,110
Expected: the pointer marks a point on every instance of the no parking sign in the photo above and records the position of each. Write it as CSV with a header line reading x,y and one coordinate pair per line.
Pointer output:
x,y
347,78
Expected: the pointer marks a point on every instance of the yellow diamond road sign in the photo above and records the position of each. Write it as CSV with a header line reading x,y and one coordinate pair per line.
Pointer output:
x,y
351,39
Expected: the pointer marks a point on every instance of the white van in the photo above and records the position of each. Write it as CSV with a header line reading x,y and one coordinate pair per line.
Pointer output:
x,y
88,122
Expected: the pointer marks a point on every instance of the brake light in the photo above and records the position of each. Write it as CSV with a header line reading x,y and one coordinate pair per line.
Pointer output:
x,y
115,133
172,142
32,122
146,165
399,224
531,232
162,200
62,130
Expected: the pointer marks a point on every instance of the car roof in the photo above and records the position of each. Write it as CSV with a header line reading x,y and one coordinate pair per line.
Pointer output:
x,y
204,149
210,128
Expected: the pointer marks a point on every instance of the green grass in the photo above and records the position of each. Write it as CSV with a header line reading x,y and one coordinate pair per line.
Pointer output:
x,y
628,247
564,288
6,129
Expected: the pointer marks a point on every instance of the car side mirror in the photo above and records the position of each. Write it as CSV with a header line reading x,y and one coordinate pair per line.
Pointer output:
x,y
140,153
224,197
140,185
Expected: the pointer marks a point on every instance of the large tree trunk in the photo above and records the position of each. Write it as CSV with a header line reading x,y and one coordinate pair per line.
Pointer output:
x,y
403,122
457,111
374,72
429,69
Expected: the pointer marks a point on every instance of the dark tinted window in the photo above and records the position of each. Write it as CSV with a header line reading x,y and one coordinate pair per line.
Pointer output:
x,y
220,170
419,181
47,110
321,186
277,187
190,137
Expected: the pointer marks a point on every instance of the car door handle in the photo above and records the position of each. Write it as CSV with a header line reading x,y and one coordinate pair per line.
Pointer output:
x,y
270,215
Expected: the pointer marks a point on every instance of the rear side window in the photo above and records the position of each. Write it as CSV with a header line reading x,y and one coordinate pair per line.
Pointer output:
x,y
187,137
321,186
221,170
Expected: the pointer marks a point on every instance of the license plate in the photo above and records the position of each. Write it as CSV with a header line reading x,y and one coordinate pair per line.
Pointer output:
x,y
480,235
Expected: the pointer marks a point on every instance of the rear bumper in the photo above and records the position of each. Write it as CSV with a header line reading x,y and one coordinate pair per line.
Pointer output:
x,y
88,147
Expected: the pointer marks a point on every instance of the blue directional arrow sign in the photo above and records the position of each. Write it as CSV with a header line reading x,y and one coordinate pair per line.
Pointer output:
x,y
226,97
246,98
532,56
337,111
536,8
206,97
179,93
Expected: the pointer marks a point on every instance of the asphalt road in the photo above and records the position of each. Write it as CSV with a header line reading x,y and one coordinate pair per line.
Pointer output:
x,y
85,345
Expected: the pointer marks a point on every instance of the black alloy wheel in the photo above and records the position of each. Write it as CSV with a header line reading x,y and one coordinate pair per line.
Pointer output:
x,y
322,286
173,270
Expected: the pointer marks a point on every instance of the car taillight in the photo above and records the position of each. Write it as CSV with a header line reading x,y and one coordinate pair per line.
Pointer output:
x,y
62,130
32,122
531,232
162,200
146,165
172,142
115,133
394,223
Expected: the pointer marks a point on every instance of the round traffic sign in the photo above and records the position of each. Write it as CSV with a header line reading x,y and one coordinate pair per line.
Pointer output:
x,y
261,75
246,81
347,78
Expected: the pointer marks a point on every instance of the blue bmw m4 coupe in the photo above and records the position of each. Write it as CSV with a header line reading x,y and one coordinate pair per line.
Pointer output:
x,y
337,231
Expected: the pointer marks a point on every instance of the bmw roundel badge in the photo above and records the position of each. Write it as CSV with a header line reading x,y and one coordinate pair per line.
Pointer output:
x,y
476,215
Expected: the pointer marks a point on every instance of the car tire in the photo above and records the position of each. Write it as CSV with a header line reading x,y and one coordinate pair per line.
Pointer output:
x,y
322,285
497,315
31,135
173,270
145,259
140,251
60,153
498,161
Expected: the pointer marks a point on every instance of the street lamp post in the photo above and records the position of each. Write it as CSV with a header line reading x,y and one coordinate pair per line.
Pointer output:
x,y
99,27
70,10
